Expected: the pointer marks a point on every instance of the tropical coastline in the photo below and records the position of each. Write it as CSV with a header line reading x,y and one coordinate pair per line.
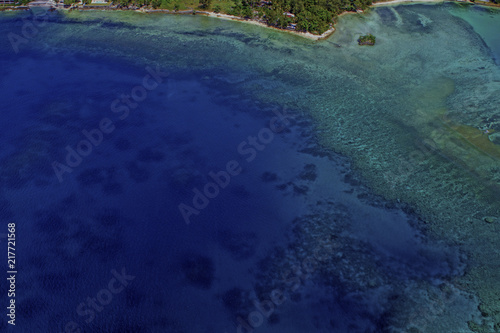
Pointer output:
x,y
400,2
394,2
221,16
404,218
308,35
213,14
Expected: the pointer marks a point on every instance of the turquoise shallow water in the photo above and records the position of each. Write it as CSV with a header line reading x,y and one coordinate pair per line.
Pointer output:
x,y
485,23
399,216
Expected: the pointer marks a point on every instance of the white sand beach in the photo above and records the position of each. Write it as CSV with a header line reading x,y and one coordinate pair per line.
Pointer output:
x,y
385,3
254,22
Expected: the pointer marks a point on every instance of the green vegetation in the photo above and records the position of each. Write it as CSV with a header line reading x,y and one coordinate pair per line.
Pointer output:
x,y
315,16
366,40
16,3
204,4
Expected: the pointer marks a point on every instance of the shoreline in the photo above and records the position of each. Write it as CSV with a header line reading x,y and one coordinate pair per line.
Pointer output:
x,y
228,17
308,35
402,2
222,16
392,2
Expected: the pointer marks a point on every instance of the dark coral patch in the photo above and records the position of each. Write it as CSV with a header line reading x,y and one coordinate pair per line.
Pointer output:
x,y
234,299
50,222
269,177
122,144
31,307
241,245
309,172
108,219
137,173
150,155
91,176
199,271
5,210
112,188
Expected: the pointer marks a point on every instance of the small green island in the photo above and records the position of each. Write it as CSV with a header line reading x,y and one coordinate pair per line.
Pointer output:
x,y
367,40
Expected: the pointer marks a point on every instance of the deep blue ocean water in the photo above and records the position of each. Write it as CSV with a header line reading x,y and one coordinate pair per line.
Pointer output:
x,y
105,247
